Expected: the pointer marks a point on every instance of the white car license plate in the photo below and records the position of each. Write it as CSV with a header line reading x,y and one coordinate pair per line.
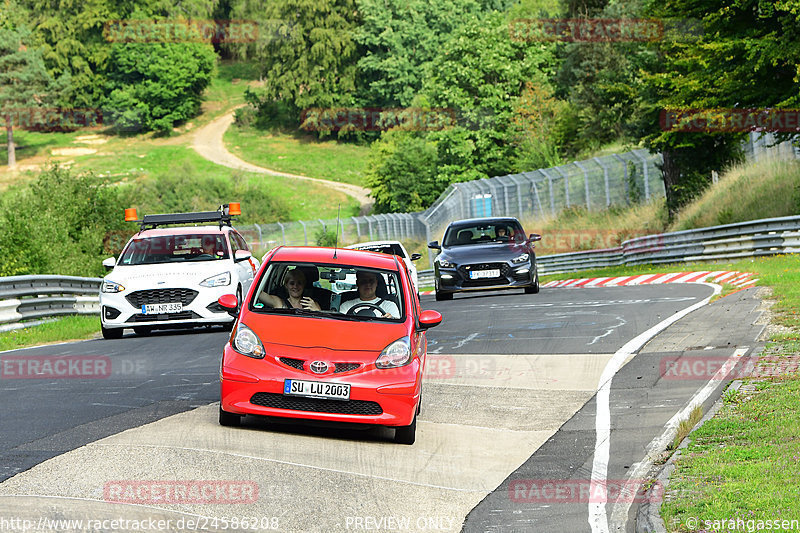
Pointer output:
x,y
316,389
478,274
160,309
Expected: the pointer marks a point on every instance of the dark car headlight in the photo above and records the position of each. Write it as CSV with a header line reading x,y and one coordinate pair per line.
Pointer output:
x,y
444,263
521,259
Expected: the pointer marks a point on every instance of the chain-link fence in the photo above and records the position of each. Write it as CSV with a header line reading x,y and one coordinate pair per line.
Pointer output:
x,y
597,183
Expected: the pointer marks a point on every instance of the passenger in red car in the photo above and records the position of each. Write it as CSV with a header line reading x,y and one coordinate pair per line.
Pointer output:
x,y
295,284
367,283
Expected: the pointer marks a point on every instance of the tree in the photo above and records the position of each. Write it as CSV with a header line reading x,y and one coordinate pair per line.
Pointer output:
x,y
479,76
308,57
397,39
747,57
24,82
403,173
156,85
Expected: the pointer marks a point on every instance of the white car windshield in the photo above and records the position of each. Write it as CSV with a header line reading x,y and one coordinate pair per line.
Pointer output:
x,y
174,249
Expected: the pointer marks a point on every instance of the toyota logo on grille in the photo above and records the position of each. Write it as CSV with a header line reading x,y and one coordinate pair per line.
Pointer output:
x,y
319,367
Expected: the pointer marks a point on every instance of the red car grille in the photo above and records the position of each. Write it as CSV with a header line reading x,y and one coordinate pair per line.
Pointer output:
x,y
349,407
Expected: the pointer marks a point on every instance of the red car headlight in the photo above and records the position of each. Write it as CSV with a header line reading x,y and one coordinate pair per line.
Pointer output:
x,y
247,343
396,354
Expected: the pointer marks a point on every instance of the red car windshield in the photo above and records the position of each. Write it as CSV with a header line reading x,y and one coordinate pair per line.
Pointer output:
x,y
336,291
174,249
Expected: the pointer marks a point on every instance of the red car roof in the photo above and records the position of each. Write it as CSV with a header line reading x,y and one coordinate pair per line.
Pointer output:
x,y
344,256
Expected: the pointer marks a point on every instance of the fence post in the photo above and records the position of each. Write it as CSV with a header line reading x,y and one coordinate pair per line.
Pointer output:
x,y
625,182
585,181
283,233
550,187
644,173
605,179
305,231
358,227
566,184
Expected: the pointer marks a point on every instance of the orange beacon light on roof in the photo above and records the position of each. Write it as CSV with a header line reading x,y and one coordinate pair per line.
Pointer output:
x,y
234,208
130,215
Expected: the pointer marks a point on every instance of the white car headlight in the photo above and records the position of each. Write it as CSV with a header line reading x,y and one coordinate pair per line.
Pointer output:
x,y
396,354
444,263
217,281
521,259
247,343
110,286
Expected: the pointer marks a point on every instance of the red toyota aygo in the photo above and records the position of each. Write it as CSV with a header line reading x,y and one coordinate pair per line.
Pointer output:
x,y
327,334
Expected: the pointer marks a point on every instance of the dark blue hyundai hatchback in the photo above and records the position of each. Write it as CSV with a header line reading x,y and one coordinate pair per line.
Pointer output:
x,y
485,254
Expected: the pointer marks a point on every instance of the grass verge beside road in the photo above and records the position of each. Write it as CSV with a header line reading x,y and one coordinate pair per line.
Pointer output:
x,y
68,328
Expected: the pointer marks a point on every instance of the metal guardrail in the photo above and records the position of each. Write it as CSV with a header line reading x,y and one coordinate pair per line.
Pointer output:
x,y
756,238
26,298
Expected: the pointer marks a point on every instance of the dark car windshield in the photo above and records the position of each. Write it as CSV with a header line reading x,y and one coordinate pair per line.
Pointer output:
x,y
484,232
174,249
333,291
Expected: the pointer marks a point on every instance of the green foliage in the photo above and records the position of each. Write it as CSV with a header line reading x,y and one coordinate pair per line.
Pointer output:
x,y
72,40
397,39
183,190
402,173
308,57
57,223
325,237
480,75
153,86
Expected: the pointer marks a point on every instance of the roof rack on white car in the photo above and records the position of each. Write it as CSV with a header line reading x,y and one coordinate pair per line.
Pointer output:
x,y
223,216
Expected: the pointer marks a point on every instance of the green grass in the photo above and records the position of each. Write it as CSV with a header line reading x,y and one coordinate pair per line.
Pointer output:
x,y
33,143
743,463
64,329
299,154
152,159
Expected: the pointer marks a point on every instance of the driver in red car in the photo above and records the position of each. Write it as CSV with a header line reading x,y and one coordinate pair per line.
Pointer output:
x,y
367,284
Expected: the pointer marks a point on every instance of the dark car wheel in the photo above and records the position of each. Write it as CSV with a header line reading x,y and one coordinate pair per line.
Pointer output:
x,y
229,419
406,434
111,333
534,289
443,296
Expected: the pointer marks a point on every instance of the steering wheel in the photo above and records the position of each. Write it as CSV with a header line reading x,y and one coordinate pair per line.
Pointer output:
x,y
356,309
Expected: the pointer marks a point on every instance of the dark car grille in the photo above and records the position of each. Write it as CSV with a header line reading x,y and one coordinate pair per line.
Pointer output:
x,y
347,407
161,296
183,315
345,367
294,363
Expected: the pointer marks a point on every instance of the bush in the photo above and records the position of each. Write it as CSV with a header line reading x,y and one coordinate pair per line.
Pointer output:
x,y
57,224
153,86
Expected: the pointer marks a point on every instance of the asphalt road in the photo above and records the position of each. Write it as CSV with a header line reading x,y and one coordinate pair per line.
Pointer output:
x,y
509,402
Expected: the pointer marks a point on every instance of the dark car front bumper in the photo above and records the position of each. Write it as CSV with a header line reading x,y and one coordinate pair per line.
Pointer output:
x,y
460,278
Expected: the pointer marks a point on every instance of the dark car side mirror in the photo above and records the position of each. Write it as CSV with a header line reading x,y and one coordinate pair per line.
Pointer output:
x,y
535,237
434,245
229,303
415,257
429,319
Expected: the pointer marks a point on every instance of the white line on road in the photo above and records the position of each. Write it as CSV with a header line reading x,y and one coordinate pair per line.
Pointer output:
x,y
598,519
619,513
